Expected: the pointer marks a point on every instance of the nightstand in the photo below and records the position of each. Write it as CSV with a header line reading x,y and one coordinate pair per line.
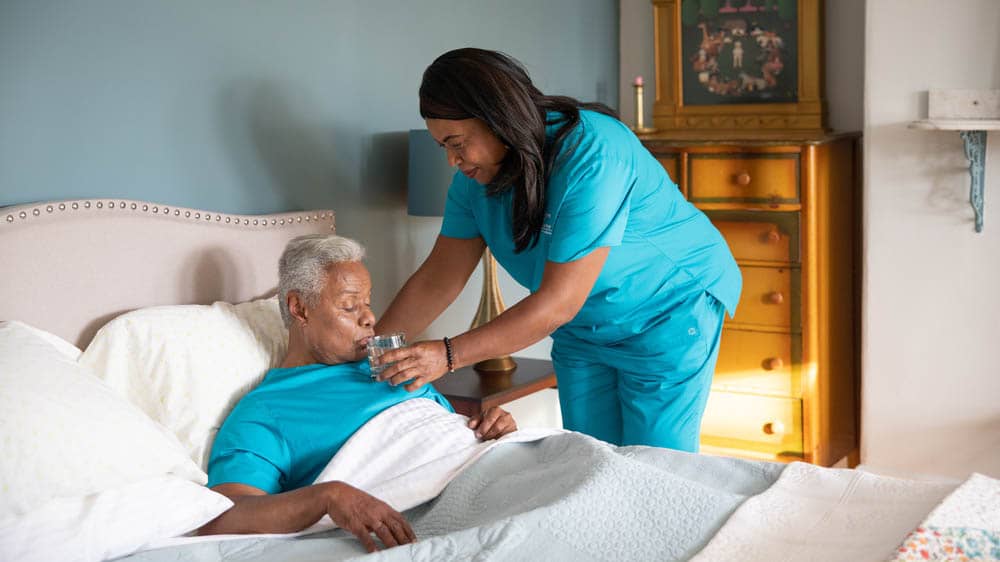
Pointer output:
x,y
470,393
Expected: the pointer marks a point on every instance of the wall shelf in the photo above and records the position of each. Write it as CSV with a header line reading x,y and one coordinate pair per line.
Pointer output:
x,y
957,124
973,132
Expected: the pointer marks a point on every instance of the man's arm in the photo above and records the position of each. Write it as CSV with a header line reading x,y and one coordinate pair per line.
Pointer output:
x,y
360,513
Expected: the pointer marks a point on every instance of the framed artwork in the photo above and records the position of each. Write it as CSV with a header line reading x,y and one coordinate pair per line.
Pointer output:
x,y
738,67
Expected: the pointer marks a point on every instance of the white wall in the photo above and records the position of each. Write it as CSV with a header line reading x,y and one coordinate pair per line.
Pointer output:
x,y
931,346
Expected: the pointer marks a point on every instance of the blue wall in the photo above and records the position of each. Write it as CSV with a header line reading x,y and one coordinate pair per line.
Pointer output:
x,y
252,105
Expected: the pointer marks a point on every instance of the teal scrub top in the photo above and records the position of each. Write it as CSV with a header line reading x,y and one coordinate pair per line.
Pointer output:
x,y
606,190
282,434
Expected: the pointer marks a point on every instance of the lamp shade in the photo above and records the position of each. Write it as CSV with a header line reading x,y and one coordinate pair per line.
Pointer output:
x,y
428,176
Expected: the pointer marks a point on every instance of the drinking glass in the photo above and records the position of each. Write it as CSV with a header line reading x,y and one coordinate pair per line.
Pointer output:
x,y
379,345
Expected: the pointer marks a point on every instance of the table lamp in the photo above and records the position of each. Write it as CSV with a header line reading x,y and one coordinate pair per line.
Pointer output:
x,y
428,178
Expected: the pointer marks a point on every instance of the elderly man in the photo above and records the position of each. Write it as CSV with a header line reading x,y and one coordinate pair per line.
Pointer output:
x,y
279,437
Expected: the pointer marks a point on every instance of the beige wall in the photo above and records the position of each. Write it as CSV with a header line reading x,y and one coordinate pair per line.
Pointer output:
x,y
931,349
931,286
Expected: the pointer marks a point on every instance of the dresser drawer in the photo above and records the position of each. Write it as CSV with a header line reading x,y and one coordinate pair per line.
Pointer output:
x,y
670,163
748,178
769,297
760,240
761,423
758,362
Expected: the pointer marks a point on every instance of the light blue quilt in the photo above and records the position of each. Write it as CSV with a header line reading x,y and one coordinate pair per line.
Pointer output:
x,y
567,497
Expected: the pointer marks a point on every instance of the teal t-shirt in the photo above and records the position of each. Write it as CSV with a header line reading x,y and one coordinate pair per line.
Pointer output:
x,y
606,190
281,435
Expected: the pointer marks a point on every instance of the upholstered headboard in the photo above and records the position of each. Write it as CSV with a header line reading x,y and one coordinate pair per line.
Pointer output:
x,y
70,266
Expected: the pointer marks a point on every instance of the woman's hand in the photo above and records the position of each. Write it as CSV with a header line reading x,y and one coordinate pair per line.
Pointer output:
x,y
363,514
419,363
493,423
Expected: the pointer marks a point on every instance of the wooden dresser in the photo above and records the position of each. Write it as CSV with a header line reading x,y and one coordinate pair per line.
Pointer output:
x,y
786,383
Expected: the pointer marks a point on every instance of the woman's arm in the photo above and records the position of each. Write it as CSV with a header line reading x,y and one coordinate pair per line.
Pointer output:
x,y
433,287
562,293
360,513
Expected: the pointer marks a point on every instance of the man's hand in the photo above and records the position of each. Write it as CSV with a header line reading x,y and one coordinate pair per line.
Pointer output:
x,y
362,514
256,511
493,424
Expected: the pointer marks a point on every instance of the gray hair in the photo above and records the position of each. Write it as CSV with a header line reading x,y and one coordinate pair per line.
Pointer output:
x,y
303,264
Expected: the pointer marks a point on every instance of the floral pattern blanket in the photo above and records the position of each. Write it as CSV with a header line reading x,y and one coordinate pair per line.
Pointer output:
x,y
965,527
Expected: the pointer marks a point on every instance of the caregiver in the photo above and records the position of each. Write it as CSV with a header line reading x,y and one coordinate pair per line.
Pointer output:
x,y
631,280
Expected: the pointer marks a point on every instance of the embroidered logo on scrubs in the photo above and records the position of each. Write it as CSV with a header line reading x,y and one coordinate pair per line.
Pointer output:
x,y
546,226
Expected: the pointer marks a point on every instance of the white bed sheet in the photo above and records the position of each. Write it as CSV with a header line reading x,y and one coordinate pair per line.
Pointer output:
x,y
404,456
825,515
565,497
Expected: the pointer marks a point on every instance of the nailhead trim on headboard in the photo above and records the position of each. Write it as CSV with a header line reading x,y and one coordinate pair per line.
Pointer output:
x,y
26,212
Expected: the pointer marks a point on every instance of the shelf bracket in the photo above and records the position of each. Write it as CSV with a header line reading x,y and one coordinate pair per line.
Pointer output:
x,y
975,152
973,113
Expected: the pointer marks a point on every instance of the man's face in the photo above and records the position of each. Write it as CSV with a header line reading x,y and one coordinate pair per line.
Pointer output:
x,y
339,324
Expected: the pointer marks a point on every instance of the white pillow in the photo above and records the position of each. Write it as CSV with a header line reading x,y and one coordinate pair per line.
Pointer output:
x,y
64,433
186,366
111,523
69,350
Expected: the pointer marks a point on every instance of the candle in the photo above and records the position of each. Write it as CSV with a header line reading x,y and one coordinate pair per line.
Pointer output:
x,y
637,85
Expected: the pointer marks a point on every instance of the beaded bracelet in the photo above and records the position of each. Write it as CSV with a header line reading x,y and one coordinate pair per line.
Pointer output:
x,y
450,354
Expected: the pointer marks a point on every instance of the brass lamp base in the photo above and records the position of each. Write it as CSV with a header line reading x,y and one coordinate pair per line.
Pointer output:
x,y
490,306
503,364
491,383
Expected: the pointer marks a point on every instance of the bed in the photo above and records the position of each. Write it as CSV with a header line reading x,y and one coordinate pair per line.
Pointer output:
x,y
132,327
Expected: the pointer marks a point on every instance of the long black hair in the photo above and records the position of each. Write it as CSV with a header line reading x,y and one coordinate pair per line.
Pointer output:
x,y
495,88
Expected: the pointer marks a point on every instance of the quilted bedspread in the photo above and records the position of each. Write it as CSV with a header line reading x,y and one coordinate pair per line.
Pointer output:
x,y
565,497
562,496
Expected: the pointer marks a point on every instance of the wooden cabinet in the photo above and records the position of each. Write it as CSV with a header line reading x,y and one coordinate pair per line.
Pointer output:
x,y
786,382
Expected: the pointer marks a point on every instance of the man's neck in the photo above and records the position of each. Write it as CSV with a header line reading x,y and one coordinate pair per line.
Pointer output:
x,y
298,352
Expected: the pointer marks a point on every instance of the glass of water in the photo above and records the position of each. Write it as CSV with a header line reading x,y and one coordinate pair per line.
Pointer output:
x,y
379,345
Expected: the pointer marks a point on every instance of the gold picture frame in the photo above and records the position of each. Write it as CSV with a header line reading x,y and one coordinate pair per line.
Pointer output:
x,y
755,70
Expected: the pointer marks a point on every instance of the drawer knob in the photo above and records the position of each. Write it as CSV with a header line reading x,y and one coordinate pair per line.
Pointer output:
x,y
743,178
774,428
775,298
773,363
772,236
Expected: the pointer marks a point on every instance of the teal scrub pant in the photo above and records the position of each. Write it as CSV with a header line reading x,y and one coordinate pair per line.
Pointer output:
x,y
649,390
